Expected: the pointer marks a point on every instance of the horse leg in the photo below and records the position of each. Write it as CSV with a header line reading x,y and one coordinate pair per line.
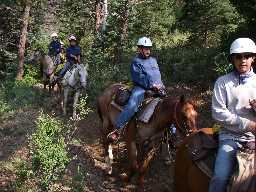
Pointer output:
x,y
76,97
108,150
132,152
65,100
132,155
50,87
144,167
109,159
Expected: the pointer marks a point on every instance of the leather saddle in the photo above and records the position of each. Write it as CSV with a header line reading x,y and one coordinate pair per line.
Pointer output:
x,y
202,150
146,109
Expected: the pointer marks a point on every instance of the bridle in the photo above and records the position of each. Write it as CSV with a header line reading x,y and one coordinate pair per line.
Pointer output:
x,y
185,131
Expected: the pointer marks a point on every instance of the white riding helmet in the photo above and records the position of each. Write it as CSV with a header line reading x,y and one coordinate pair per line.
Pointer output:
x,y
243,45
72,37
54,35
144,42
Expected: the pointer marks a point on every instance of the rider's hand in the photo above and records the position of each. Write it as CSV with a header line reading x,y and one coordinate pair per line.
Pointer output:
x,y
253,104
252,126
157,87
75,57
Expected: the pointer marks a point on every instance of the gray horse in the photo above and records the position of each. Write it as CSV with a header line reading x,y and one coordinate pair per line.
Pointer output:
x,y
74,79
47,68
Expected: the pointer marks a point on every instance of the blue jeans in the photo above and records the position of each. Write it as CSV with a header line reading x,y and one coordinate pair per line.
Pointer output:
x,y
224,165
66,67
131,107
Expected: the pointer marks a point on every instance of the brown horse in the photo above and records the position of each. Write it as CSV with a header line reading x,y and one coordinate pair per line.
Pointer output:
x,y
169,111
190,178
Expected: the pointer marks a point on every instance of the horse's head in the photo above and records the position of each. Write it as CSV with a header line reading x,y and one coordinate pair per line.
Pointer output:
x,y
37,56
79,76
185,116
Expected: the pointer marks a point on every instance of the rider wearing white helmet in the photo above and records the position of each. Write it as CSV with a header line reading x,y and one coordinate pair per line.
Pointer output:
x,y
55,48
73,55
54,35
233,106
145,76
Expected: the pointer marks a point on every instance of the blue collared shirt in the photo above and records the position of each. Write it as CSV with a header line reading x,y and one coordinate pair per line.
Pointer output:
x,y
73,50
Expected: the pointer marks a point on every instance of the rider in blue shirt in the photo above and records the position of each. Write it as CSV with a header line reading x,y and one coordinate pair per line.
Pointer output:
x,y
55,48
73,54
145,76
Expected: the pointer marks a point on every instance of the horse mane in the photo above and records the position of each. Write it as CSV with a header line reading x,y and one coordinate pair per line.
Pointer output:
x,y
169,101
184,99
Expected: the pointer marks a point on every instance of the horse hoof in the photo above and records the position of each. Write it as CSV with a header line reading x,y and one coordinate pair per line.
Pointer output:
x,y
109,171
124,177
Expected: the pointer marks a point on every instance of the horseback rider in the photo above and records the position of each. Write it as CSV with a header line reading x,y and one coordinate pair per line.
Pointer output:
x,y
145,76
55,48
73,55
233,105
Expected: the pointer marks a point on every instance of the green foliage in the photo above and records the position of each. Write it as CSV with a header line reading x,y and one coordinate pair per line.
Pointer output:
x,y
209,20
48,150
222,66
4,107
21,93
188,65
247,9
23,173
76,18
83,108
78,180
39,41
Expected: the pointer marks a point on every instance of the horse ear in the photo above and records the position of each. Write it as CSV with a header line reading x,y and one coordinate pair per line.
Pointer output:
x,y
183,99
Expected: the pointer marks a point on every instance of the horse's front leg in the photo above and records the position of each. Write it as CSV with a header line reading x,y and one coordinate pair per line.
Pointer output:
x,y
109,158
76,97
133,167
44,81
65,100
51,86
144,167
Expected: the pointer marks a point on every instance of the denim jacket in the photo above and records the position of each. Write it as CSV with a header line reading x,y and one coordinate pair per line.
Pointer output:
x,y
145,72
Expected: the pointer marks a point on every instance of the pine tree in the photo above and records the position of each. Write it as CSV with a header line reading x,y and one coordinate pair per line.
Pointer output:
x,y
208,20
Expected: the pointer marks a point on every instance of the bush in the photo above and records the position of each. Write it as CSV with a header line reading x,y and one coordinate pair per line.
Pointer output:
x,y
48,150
83,108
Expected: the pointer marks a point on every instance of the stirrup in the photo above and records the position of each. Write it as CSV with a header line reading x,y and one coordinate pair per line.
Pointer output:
x,y
117,133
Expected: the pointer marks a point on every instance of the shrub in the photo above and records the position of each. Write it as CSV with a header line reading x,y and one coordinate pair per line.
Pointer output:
x,y
48,150
83,108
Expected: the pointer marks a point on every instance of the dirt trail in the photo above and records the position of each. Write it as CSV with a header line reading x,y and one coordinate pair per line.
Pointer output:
x,y
88,152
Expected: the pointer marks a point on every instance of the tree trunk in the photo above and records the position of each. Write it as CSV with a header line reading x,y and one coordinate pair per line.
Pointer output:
x,y
123,31
101,15
23,38
97,15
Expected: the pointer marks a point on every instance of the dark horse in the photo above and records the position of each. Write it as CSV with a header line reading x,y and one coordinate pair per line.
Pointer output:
x,y
169,111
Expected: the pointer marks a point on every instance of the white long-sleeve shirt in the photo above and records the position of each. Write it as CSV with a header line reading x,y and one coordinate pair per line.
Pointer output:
x,y
230,105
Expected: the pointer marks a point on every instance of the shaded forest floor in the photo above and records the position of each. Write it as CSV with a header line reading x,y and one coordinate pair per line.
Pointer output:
x,y
86,169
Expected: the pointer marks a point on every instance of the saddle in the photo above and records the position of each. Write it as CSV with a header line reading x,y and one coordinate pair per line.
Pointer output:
x,y
202,150
147,107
